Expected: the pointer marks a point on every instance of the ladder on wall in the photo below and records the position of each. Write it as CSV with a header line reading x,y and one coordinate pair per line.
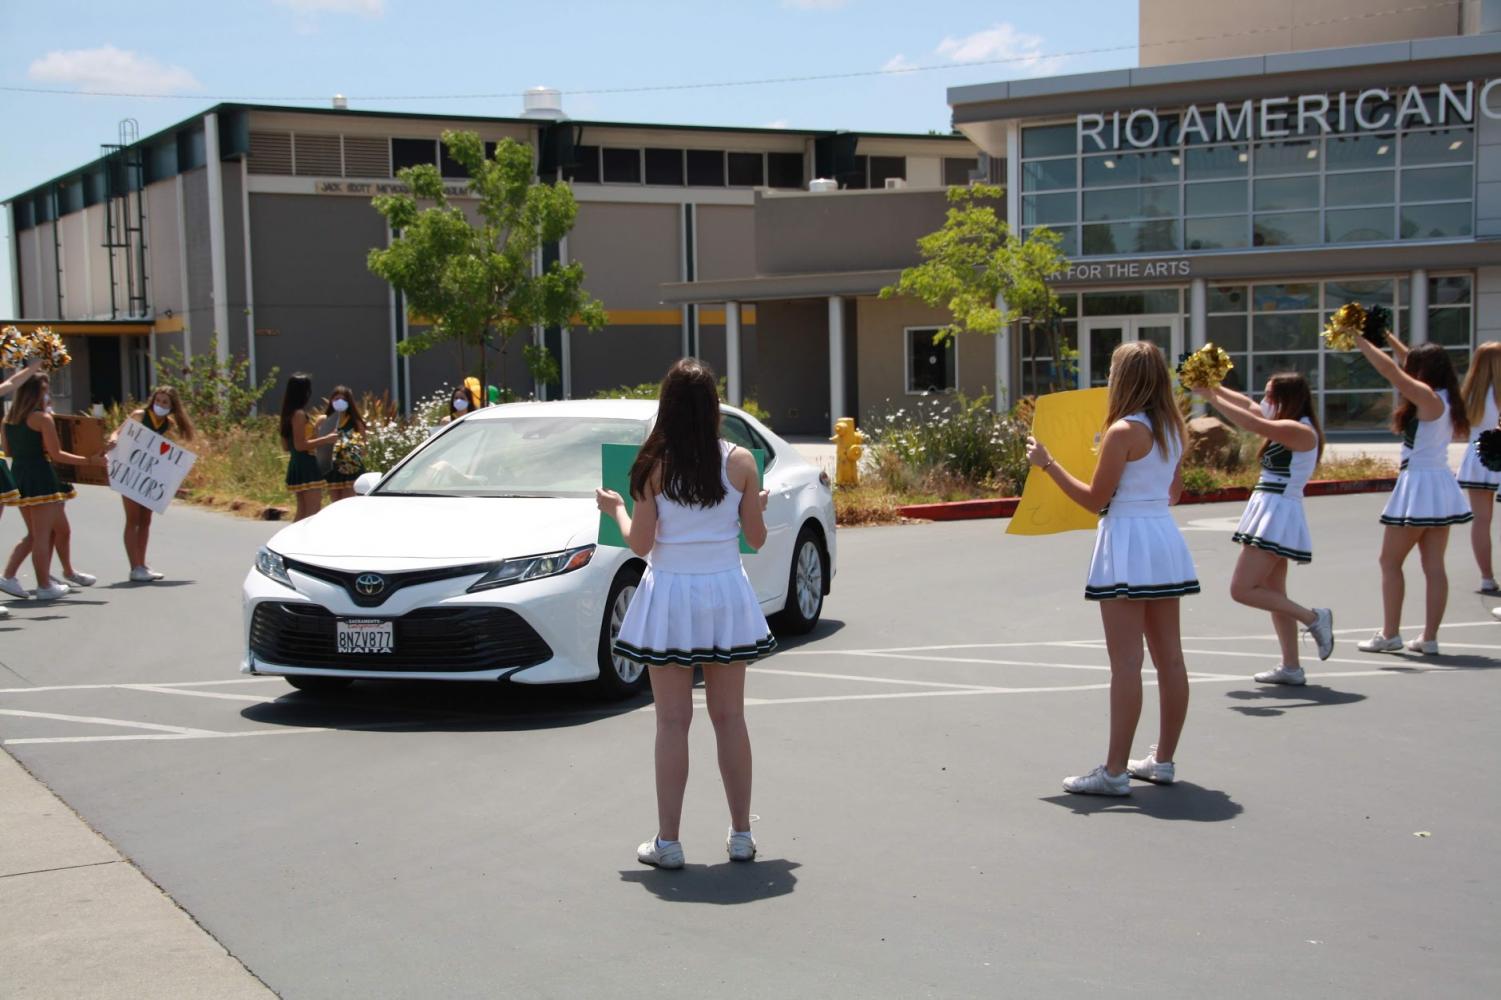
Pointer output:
x,y
125,222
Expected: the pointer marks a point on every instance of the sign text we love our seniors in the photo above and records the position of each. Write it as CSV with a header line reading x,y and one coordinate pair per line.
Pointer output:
x,y
146,467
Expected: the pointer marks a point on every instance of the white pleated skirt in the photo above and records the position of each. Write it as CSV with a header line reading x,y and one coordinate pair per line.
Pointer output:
x,y
1426,498
1141,556
1473,475
701,610
1276,522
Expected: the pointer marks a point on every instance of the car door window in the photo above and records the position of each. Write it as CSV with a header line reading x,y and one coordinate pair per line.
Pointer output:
x,y
738,432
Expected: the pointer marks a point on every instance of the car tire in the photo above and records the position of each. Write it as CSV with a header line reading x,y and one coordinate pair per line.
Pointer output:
x,y
805,584
618,678
318,684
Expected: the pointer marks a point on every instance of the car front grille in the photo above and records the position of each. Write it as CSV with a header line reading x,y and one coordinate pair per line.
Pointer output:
x,y
439,640
390,583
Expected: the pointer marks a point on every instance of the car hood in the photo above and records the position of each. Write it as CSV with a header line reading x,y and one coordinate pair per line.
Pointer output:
x,y
411,532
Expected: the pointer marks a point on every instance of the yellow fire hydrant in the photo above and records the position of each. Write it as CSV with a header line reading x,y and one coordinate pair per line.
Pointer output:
x,y
849,445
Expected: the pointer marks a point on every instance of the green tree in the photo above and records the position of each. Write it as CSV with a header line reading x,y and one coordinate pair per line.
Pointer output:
x,y
976,260
474,281
217,395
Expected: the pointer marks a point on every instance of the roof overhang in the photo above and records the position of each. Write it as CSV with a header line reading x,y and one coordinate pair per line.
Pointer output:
x,y
779,286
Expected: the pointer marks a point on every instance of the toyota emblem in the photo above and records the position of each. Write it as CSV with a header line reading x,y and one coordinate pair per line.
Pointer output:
x,y
369,584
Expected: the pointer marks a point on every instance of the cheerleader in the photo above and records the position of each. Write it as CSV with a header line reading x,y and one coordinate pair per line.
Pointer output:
x,y
164,415
344,421
695,493
1273,528
1141,565
10,496
1481,389
304,478
31,439
1427,498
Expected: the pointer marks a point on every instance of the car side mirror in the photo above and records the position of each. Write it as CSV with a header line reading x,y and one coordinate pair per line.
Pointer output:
x,y
366,482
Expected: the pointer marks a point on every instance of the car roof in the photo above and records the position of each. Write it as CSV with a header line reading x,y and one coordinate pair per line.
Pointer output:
x,y
617,409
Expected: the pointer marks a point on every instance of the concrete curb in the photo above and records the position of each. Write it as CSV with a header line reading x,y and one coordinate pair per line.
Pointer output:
x,y
969,510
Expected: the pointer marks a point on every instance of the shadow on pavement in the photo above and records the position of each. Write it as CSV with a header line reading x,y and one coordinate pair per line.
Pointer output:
x,y
1285,697
1181,801
140,585
730,883
420,707
826,628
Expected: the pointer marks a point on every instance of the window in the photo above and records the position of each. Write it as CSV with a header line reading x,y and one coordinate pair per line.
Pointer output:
x,y
930,367
956,170
784,170
447,165
858,179
411,152
585,169
884,167
706,168
622,166
738,432
747,170
664,166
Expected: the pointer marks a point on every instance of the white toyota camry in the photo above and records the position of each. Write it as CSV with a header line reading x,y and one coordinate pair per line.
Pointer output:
x,y
477,557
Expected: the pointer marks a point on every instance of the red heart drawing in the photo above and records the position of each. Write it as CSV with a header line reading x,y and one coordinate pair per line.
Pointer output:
x,y
166,447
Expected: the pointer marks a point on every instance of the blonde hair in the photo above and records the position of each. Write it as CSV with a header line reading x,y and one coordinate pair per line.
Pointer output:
x,y
1483,377
1140,383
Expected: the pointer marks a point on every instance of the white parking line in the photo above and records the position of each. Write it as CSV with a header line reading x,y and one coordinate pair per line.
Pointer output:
x,y
122,723
186,692
863,679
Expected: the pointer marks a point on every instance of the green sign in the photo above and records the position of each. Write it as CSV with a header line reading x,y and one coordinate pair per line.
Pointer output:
x,y
615,474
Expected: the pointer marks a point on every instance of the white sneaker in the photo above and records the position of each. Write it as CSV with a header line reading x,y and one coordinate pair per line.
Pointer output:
x,y
740,846
1099,782
1322,631
660,855
4,611
1282,675
12,586
144,574
82,579
1495,612
1426,647
52,591
1151,769
1379,643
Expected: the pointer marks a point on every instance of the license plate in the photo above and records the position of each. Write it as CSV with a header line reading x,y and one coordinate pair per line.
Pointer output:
x,y
366,635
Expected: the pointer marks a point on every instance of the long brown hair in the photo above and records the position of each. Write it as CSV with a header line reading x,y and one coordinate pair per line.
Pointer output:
x,y
684,442
182,424
1293,400
1140,383
1483,377
355,419
28,399
1430,364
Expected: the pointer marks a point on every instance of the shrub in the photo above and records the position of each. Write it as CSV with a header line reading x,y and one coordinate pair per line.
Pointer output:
x,y
958,437
218,396
1198,479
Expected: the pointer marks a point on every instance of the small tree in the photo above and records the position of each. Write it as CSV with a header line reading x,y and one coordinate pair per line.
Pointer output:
x,y
218,395
976,259
473,281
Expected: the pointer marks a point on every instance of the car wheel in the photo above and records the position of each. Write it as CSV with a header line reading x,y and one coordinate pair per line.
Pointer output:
x,y
618,677
319,685
805,585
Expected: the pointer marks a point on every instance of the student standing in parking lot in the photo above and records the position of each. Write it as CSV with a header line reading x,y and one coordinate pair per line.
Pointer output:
x,y
304,478
694,494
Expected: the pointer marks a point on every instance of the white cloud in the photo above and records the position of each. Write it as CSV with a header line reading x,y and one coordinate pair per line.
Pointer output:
x,y
816,4
898,63
779,123
110,69
367,8
1003,42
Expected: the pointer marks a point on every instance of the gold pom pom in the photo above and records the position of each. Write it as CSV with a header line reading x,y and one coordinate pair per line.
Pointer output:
x,y
49,347
1344,326
1205,368
13,345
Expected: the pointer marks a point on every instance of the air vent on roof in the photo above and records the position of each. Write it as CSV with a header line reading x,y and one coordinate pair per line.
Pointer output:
x,y
317,155
270,153
366,156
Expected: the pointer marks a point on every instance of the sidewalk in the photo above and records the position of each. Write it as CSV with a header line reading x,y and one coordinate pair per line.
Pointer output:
x,y
80,921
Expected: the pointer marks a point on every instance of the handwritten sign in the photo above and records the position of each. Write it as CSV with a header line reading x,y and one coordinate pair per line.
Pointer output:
x,y
1069,423
146,467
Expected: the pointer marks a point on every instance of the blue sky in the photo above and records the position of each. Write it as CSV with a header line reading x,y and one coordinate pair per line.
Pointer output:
x,y
193,54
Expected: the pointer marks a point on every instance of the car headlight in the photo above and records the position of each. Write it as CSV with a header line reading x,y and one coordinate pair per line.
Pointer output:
x,y
524,568
270,565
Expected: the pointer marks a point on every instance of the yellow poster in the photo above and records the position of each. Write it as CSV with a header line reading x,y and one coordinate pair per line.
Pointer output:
x,y
1069,424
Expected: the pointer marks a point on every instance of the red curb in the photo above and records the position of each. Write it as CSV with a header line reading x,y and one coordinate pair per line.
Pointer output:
x,y
969,510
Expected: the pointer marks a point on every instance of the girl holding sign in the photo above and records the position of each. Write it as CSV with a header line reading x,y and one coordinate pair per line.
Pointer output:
x,y
694,495
1274,529
164,415
346,463
303,477
1141,565
31,439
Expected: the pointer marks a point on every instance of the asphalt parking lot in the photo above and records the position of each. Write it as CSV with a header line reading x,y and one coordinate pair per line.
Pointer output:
x,y
478,840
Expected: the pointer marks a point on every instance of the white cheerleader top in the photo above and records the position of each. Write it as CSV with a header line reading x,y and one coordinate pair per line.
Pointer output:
x,y
1487,422
679,524
1285,471
1146,481
1425,443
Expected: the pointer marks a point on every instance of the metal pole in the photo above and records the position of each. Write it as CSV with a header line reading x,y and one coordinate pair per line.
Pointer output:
x,y
836,359
732,351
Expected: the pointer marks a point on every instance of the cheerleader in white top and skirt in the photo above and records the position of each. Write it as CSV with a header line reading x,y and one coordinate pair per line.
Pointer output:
x,y
1141,565
1427,499
1481,388
1274,528
695,494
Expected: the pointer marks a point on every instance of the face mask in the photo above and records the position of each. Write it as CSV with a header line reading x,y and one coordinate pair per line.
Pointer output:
x,y
461,405
160,410
1268,408
340,405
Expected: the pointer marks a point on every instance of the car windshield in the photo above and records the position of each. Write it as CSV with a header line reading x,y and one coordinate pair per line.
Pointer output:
x,y
515,456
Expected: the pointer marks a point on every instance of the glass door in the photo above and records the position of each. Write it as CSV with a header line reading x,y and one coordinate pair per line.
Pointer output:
x,y
1100,336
